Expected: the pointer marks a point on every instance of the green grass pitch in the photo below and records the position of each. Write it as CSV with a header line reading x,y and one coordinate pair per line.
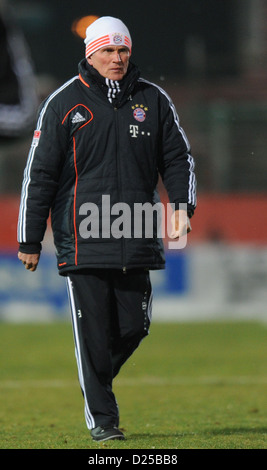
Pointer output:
x,y
188,386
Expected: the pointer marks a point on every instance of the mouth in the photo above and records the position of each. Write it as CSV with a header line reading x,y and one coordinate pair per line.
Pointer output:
x,y
117,73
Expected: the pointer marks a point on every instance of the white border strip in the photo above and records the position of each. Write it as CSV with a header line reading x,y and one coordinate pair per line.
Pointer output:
x,y
90,422
27,172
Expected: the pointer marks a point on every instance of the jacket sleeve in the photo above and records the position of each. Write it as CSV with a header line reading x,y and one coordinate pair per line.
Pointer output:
x,y
41,177
176,164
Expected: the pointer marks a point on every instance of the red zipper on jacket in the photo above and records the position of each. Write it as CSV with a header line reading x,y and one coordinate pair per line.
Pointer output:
x,y
74,202
76,171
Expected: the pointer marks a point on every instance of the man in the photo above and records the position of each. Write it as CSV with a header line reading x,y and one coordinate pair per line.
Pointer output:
x,y
101,141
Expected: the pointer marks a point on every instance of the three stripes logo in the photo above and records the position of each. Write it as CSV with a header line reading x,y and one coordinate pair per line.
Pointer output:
x,y
77,118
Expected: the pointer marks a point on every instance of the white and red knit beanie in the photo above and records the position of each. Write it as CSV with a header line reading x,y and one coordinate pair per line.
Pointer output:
x,y
106,31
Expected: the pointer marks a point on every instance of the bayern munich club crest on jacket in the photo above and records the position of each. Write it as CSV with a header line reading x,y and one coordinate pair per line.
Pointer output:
x,y
139,112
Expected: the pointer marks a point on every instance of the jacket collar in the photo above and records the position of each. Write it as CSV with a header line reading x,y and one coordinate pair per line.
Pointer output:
x,y
118,94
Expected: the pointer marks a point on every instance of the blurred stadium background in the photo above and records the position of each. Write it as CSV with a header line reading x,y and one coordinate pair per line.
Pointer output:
x,y
211,57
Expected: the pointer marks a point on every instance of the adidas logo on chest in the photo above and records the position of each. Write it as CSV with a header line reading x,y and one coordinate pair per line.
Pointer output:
x,y
77,118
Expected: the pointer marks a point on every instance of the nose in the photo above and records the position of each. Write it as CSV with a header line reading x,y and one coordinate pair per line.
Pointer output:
x,y
117,57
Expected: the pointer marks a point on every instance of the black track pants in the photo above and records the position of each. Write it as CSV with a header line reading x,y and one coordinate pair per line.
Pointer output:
x,y
111,314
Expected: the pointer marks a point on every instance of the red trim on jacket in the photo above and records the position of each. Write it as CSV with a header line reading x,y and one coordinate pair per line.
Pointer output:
x,y
76,172
74,203
83,81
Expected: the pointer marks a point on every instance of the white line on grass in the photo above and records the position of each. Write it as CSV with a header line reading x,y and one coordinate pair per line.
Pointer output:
x,y
202,380
136,381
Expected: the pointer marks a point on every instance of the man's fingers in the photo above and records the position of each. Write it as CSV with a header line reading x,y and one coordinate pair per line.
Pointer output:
x,y
30,261
180,230
30,266
189,228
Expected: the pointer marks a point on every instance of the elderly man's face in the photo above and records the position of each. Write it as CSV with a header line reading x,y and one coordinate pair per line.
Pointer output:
x,y
111,61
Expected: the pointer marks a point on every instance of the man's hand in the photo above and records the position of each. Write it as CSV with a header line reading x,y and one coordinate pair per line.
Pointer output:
x,y
180,224
30,261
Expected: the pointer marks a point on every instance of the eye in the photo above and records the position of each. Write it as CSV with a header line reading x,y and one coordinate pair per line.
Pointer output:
x,y
123,50
106,50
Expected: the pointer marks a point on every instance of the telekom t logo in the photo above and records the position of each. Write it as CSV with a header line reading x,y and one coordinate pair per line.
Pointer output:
x,y
133,130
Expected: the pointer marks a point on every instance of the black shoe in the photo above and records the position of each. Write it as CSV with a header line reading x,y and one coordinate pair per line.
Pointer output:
x,y
102,433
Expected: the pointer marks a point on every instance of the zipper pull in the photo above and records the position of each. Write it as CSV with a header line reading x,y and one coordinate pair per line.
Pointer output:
x,y
124,270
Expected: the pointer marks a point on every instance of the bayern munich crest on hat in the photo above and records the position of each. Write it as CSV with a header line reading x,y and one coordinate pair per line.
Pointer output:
x,y
139,114
117,38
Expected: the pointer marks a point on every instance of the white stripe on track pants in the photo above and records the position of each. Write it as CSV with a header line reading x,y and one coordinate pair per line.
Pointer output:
x,y
111,314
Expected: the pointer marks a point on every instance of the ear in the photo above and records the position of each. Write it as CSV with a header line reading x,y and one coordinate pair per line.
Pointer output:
x,y
89,60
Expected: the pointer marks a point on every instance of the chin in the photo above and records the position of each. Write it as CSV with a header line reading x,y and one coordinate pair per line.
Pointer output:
x,y
116,76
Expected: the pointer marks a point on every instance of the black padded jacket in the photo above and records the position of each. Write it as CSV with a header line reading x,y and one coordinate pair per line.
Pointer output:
x,y
92,157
